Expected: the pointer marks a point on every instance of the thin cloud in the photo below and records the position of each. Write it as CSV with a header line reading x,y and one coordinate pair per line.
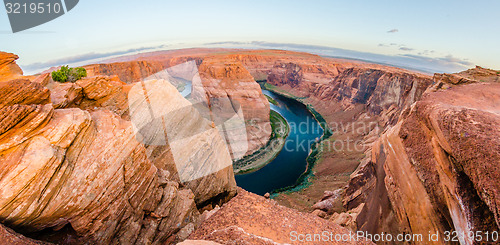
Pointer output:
x,y
393,31
451,59
448,60
226,43
406,49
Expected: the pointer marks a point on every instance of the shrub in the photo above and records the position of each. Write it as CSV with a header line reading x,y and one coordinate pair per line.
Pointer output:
x,y
66,74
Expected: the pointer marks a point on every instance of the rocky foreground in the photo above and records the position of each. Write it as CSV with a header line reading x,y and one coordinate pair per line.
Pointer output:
x,y
72,166
251,219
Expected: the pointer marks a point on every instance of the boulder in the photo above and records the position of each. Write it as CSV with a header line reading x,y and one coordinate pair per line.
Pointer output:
x,y
9,70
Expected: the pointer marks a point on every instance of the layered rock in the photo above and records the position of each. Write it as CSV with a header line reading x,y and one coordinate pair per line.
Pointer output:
x,y
129,72
64,95
8,68
436,169
385,92
82,171
227,80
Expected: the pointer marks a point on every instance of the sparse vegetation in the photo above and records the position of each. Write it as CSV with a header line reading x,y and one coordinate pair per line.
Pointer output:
x,y
67,74
271,100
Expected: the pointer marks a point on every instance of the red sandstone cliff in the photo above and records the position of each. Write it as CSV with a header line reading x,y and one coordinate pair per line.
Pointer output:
x,y
223,78
437,168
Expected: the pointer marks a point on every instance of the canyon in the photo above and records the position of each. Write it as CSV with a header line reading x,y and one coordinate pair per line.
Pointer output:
x,y
409,152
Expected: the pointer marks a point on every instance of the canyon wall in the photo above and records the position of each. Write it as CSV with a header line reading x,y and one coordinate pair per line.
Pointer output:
x,y
73,168
222,78
435,165
437,168
383,91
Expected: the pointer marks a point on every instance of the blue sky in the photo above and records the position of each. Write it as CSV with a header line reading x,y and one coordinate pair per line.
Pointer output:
x,y
455,34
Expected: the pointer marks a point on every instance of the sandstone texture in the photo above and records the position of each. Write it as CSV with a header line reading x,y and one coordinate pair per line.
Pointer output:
x,y
8,68
73,169
252,219
222,78
437,168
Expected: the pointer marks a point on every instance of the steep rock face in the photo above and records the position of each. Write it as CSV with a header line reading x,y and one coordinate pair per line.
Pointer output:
x,y
196,152
437,168
252,219
385,92
8,68
221,79
85,172
290,74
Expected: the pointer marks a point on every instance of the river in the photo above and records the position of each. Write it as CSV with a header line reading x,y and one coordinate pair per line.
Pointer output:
x,y
290,163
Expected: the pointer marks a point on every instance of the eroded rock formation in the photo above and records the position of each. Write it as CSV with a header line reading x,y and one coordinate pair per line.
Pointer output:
x,y
437,168
222,78
434,168
8,68
75,165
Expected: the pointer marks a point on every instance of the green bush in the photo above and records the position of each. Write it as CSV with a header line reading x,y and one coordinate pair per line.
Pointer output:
x,y
66,74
